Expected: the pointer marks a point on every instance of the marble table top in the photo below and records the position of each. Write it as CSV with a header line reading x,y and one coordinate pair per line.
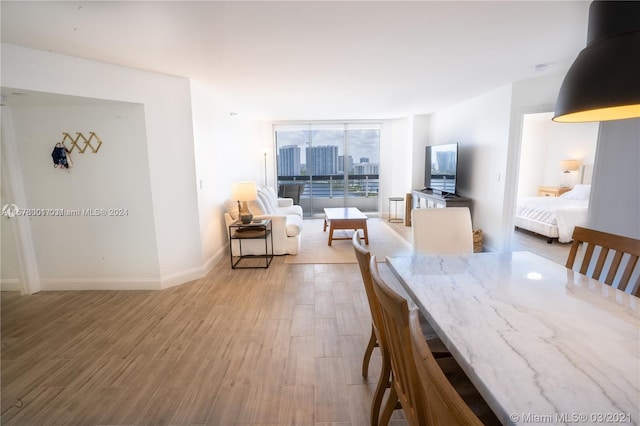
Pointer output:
x,y
542,343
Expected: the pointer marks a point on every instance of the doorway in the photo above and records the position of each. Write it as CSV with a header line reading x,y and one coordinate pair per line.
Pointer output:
x,y
544,147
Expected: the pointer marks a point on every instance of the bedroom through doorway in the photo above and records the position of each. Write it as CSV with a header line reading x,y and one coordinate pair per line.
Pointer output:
x,y
554,177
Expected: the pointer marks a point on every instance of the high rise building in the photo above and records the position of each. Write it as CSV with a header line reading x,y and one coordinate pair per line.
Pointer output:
x,y
446,162
341,164
322,160
366,169
289,160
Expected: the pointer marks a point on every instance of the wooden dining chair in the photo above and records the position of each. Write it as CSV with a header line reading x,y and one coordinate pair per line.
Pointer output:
x,y
617,258
377,332
450,398
405,388
442,231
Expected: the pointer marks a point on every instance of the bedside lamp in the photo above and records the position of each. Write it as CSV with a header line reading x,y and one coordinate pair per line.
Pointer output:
x,y
244,191
568,166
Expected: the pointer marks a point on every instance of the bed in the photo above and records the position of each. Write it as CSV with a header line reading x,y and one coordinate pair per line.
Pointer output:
x,y
554,217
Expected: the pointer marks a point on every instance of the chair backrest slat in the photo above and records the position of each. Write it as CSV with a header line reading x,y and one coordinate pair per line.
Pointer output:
x,y
624,248
626,276
586,260
597,272
615,264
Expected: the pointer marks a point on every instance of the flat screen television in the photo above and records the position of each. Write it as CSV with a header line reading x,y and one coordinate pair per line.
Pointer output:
x,y
441,168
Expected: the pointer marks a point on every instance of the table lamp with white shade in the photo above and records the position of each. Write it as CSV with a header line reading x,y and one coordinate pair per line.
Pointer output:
x,y
244,191
568,166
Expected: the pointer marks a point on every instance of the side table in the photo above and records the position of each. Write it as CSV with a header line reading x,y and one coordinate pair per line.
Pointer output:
x,y
395,201
552,191
256,230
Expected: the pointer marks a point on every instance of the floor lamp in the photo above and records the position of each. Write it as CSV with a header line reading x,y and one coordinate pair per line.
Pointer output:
x,y
264,151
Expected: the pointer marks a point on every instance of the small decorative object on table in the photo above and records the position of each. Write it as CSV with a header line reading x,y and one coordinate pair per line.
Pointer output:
x,y
244,191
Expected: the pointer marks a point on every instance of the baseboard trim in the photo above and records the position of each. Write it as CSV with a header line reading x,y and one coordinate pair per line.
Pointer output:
x,y
10,284
195,273
167,281
183,277
66,284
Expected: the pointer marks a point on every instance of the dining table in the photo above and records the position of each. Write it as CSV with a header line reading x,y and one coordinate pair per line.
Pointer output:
x,y
541,342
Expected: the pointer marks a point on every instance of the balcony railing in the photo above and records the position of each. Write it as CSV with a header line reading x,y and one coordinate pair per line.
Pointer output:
x,y
322,191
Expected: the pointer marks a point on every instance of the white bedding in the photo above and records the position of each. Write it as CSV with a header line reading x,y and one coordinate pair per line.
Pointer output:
x,y
564,213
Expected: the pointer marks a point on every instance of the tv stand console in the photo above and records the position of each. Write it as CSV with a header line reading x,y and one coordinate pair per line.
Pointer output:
x,y
429,199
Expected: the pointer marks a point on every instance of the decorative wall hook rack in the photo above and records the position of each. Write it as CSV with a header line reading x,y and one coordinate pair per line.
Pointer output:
x,y
83,145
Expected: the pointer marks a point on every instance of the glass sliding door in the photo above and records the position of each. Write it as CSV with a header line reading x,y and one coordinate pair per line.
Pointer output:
x,y
334,165
362,168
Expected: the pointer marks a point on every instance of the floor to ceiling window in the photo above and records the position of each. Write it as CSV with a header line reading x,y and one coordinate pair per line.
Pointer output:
x,y
336,164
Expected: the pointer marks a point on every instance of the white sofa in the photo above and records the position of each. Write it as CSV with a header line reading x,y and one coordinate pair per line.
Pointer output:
x,y
286,222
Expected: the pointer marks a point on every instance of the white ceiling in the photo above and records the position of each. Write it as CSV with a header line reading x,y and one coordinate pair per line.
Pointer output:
x,y
316,59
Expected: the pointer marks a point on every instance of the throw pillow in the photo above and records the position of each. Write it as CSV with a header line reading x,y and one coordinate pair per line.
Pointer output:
x,y
579,192
266,203
232,208
256,207
271,196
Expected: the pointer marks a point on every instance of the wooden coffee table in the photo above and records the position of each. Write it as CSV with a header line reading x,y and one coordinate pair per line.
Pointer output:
x,y
345,218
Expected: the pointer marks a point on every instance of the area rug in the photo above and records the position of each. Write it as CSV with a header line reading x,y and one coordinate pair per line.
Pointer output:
x,y
383,241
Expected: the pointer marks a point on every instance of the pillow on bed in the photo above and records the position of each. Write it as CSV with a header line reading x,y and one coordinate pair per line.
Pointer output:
x,y
579,192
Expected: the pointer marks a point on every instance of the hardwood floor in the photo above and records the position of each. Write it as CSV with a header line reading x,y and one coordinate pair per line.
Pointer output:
x,y
281,346
528,241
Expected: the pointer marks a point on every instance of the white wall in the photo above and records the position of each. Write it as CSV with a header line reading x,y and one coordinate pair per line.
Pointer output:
x,y
92,250
22,274
481,128
614,205
479,125
169,143
529,96
576,142
421,126
10,271
545,144
228,148
615,198
396,144
533,154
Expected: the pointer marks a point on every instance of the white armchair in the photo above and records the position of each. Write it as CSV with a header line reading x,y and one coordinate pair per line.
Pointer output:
x,y
286,222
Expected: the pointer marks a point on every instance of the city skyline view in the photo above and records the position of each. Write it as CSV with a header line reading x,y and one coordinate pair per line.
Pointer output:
x,y
361,140
324,160
316,155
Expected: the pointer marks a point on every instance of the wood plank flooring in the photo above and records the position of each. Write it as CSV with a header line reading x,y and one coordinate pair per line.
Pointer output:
x,y
281,346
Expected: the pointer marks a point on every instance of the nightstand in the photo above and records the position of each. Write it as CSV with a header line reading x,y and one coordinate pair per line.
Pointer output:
x,y
552,191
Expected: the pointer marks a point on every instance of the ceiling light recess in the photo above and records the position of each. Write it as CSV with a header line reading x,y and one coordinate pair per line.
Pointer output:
x,y
603,83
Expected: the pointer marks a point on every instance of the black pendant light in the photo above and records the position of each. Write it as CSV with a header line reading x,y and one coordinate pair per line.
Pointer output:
x,y
604,81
